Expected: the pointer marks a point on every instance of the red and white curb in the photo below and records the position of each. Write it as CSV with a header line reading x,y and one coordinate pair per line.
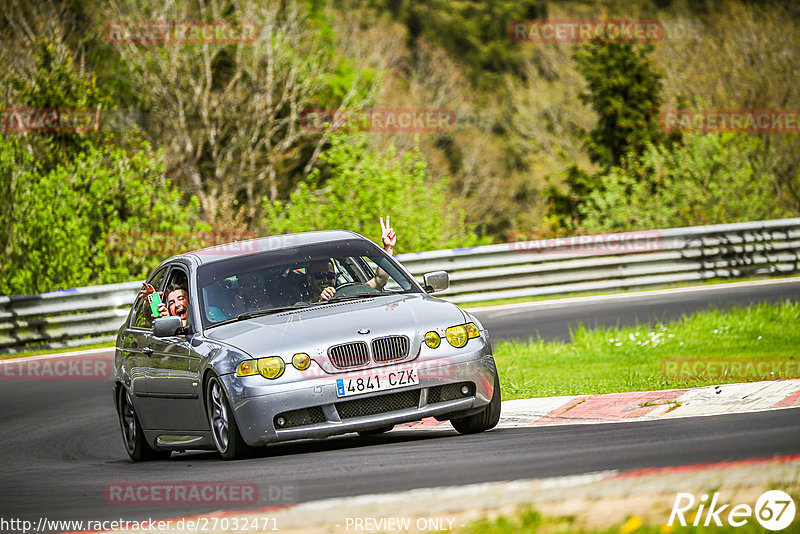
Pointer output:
x,y
642,405
570,409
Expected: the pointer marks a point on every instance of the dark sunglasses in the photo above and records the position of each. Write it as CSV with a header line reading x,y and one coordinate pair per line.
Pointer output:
x,y
322,276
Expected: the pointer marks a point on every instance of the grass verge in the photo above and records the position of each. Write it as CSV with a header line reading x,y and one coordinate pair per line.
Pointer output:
x,y
759,342
530,521
643,512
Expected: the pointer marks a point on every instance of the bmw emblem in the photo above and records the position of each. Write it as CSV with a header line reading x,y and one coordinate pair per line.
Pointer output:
x,y
364,331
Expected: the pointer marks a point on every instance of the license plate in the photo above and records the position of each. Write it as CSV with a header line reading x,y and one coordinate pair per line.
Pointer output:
x,y
376,381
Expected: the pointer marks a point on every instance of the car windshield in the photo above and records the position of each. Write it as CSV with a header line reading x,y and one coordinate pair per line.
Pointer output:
x,y
280,280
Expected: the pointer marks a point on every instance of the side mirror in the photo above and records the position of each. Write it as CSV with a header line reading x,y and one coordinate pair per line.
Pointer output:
x,y
436,281
167,326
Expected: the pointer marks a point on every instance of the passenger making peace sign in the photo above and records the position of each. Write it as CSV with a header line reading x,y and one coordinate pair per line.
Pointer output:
x,y
389,239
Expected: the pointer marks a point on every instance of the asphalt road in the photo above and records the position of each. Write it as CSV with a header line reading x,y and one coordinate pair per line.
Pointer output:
x,y
553,319
62,445
61,442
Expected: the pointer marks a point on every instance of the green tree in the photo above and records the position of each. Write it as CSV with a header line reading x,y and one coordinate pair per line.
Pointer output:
x,y
712,179
625,91
363,185
231,118
55,84
87,221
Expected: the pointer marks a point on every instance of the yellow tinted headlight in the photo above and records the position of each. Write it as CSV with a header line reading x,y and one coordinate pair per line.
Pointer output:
x,y
472,330
301,361
271,367
432,339
247,368
457,335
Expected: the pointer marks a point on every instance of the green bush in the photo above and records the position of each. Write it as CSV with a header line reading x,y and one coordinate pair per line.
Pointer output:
x,y
710,179
624,89
364,185
85,222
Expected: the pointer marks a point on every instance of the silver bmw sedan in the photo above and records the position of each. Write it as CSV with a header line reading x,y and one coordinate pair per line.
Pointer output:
x,y
291,337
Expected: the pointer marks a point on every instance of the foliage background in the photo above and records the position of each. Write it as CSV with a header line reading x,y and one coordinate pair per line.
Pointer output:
x,y
204,143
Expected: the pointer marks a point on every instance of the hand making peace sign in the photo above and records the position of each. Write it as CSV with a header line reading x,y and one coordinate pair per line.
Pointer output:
x,y
388,236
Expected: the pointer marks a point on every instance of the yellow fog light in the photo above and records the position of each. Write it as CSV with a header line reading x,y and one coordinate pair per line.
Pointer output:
x,y
301,361
457,335
472,330
247,368
271,367
432,339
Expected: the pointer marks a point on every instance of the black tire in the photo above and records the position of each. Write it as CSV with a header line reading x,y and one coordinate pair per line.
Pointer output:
x,y
485,420
375,431
224,430
132,435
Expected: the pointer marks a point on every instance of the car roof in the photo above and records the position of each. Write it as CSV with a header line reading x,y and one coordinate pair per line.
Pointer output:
x,y
265,244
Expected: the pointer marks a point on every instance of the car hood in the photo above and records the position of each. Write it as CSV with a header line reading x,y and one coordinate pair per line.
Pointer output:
x,y
314,330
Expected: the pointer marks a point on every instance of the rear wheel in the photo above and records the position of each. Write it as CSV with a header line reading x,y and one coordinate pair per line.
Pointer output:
x,y
375,431
132,434
227,438
485,420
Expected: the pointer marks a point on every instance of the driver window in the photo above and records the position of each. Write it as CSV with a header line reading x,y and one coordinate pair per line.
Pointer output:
x,y
176,295
391,283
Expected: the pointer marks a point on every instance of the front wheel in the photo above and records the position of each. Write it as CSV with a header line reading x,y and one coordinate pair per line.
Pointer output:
x,y
485,420
227,438
132,435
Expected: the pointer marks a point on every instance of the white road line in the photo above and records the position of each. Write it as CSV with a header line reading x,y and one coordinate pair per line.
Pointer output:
x,y
56,355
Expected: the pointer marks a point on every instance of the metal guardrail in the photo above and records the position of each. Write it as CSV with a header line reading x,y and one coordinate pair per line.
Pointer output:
x,y
66,318
80,316
614,261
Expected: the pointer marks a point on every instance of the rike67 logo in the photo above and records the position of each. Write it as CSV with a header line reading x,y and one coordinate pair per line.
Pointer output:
x,y
774,510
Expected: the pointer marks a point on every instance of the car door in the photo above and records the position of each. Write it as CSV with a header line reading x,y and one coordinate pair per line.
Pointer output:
x,y
137,354
174,387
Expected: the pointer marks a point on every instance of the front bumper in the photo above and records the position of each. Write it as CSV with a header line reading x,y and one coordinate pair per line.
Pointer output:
x,y
312,409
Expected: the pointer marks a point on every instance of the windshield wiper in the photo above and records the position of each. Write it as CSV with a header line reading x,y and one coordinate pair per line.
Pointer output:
x,y
358,296
259,313
270,311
